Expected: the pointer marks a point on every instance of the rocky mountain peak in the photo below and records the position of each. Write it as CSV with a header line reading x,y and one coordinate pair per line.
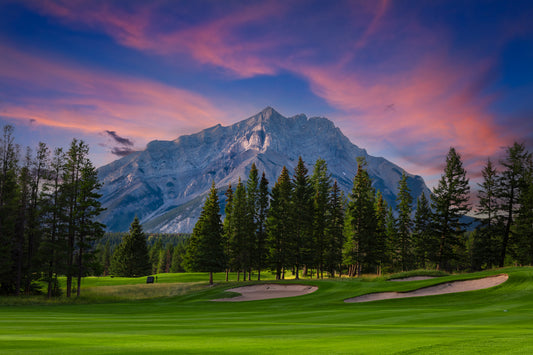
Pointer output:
x,y
164,185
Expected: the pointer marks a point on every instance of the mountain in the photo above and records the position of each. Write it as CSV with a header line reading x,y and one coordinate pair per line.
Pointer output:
x,y
165,184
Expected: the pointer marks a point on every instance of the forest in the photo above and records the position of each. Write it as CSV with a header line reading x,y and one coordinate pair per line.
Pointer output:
x,y
304,224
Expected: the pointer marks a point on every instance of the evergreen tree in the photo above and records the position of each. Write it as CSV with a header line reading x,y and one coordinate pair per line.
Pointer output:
x,y
392,235
261,234
334,234
206,251
87,210
302,218
9,197
228,230
153,254
106,258
404,225
450,204
53,249
177,258
130,258
510,184
523,230
38,173
252,203
360,223
487,237
279,225
381,232
424,245
69,194
321,186
240,241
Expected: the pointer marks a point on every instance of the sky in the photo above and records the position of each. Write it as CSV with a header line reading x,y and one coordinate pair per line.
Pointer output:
x,y
403,79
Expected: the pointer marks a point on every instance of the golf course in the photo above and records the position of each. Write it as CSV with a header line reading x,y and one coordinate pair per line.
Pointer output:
x,y
177,315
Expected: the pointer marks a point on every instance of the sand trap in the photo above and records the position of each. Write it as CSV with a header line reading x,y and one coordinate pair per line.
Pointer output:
x,y
414,278
448,287
267,291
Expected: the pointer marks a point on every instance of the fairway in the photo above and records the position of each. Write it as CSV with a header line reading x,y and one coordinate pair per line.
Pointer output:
x,y
495,320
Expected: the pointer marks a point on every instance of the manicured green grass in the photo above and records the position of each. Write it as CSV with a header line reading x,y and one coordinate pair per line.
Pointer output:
x,y
496,320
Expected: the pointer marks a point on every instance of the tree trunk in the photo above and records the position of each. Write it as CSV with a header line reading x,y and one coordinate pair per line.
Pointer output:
x,y
210,277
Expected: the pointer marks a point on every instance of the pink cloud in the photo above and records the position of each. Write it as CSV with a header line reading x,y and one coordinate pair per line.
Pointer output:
x,y
217,42
94,101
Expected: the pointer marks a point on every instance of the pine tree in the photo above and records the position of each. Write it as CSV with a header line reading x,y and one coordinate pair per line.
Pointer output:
x,y
9,197
69,193
38,173
252,203
131,258
302,218
523,229
488,234
321,186
423,242
177,258
87,211
228,230
53,249
360,223
381,232
404,225
334,234
205,252
450,204
279,225
261,235
240,242
510,184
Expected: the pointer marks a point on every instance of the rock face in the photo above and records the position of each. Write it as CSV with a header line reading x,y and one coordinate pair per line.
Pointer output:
x,y
165,185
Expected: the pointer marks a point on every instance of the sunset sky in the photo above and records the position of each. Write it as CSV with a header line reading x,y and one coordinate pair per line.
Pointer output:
x,y
404,79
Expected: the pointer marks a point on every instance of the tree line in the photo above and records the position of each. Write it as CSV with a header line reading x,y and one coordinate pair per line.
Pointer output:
x,y
305,225
157,253
49,202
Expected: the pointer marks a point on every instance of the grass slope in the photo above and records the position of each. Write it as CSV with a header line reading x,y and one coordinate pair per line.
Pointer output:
x,y
496,320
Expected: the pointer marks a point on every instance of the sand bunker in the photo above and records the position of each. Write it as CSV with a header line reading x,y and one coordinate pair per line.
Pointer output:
x,y
448,287
263,292
414,278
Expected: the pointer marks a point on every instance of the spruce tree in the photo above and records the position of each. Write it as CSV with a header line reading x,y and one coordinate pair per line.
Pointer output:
x,y
228,230
424,244
261,235
487,238
252,203
9,196
130,258
279,224
205,252
510,185
360,223
302,218
334,234
404,225
523,229
450,203
240,242
321,186
88,209
381,232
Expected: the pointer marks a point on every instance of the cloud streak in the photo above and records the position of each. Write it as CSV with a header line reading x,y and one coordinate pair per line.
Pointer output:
x,y
66,96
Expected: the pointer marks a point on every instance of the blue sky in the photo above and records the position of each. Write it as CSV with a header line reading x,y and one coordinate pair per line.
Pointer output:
x,y
404,79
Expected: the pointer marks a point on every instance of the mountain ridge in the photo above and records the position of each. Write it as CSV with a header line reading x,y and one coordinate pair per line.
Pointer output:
x,y
168,175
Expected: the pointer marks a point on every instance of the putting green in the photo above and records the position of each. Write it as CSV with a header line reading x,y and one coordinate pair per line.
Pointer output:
x,y
494,320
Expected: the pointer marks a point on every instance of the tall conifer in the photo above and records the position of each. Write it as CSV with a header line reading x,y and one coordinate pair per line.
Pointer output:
x,y
450,203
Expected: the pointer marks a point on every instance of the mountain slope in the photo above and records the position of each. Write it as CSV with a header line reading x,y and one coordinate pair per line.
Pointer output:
x,y
164,185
